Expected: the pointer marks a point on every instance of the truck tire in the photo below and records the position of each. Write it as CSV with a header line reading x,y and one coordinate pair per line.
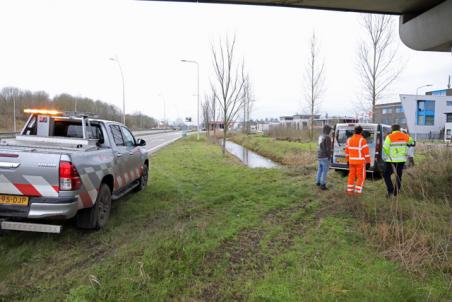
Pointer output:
x,y
96,217
143,179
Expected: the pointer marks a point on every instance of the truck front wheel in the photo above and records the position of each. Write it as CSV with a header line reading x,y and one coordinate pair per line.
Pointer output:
x,y
96,217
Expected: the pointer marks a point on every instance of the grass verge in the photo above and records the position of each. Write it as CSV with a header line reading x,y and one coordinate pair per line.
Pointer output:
x,y
210,229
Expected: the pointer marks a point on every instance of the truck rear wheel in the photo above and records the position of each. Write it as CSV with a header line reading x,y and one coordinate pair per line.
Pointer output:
x,y
96,217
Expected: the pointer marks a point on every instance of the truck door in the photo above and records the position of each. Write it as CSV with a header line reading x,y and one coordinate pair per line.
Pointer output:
x,y
134,165
121,158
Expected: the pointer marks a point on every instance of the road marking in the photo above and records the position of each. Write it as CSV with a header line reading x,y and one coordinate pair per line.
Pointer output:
x,y
153,149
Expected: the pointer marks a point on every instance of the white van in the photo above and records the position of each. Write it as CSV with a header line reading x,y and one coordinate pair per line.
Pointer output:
x,y
374,134
448,133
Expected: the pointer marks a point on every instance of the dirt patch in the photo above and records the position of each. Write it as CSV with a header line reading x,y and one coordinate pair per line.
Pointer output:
x,y
248,254
241,255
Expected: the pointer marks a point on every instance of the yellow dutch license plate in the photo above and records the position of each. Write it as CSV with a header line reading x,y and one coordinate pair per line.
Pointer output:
x,y
341,160
14,200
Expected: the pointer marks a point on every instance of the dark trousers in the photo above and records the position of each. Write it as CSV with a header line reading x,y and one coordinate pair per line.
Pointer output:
x,y
396,168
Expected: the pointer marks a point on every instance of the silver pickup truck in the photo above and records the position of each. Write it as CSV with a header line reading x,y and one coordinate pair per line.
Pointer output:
x,y
66,165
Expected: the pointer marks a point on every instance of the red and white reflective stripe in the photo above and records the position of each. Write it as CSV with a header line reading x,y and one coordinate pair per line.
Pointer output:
x,y
89,186
359,144
8,187
358,148
356,158
41,185
119,181
358,189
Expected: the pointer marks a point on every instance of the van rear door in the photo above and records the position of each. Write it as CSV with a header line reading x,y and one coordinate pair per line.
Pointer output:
x,y
342,133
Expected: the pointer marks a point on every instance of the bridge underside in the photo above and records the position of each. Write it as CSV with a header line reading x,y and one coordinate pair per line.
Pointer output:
x,y
424,24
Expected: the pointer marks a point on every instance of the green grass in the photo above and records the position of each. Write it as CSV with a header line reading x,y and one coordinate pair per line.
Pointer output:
x,y
208,228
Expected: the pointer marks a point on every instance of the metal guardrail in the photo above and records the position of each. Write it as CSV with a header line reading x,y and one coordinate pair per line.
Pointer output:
x,y
7,134
136,133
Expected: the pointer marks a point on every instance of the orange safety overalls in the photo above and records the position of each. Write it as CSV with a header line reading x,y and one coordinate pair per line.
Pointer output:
x,y
357,155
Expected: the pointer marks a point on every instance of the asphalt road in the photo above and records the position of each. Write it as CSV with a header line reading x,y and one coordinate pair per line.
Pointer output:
x,y
155,142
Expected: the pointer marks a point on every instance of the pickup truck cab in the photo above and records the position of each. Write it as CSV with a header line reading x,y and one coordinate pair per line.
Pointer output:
x,y
69,165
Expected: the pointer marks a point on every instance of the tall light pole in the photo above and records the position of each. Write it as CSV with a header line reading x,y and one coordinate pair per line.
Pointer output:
x,y
123,90
197,111
417,89
164,109
14,113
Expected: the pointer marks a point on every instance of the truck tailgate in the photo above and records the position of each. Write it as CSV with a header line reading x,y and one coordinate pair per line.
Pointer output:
x,y
29,173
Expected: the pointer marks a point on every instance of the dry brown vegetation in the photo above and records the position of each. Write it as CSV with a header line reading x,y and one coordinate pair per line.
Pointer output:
x,y
291,134
415,228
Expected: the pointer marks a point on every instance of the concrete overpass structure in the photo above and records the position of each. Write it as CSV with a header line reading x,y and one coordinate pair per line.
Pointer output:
x,y
424,24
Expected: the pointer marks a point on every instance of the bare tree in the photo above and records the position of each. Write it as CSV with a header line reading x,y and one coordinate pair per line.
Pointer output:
x,y
11,96
377,57
205,108
213,111
228,83
315,80
248,103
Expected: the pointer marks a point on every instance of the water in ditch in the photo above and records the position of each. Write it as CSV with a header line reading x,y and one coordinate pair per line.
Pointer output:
x,y
249,158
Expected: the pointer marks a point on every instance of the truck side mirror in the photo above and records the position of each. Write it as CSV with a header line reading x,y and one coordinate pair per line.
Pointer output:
x,y
141,142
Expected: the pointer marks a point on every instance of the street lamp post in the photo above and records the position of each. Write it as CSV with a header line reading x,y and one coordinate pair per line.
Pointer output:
x,y
164,109
417,89
123,90
197,111
14,113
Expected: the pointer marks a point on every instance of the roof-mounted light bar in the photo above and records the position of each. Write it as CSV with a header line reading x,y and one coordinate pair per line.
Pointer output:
x,y
43,111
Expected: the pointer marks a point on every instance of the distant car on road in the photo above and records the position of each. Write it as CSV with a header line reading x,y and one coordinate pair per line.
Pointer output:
x,y
66,165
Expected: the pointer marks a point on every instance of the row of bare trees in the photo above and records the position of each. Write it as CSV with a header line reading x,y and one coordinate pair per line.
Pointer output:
x,y
14,100
377,64
230,90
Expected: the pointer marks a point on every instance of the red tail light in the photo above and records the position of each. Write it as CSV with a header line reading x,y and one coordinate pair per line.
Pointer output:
x,y
69,177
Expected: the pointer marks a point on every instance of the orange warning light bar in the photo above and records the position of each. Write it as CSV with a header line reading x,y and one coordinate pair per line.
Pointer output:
x,y
43,111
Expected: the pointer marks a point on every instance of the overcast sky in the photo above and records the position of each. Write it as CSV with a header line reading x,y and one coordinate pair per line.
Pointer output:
x,y
64,46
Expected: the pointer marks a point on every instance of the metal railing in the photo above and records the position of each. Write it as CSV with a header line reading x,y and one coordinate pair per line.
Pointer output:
x,y
8,134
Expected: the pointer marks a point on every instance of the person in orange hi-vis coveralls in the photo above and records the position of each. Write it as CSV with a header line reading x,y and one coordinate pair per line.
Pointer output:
x,y
358,157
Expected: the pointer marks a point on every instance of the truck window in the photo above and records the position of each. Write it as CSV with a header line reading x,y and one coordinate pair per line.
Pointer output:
x,y
74,129
117,136
128,137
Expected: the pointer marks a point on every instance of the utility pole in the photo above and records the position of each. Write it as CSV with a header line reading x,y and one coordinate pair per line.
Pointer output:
x,y
14,113
197,113
123,90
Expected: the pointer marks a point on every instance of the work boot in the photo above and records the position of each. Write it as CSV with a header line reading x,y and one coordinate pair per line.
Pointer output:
x,y
323,187
317,184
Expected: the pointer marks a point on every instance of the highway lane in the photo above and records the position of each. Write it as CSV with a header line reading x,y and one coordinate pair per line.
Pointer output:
x,y
155,142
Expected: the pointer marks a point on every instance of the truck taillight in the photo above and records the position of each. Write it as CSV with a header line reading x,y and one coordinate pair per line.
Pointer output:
x,y
69,177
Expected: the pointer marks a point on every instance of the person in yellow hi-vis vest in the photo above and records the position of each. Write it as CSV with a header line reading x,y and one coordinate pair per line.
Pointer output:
x,y
395,152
